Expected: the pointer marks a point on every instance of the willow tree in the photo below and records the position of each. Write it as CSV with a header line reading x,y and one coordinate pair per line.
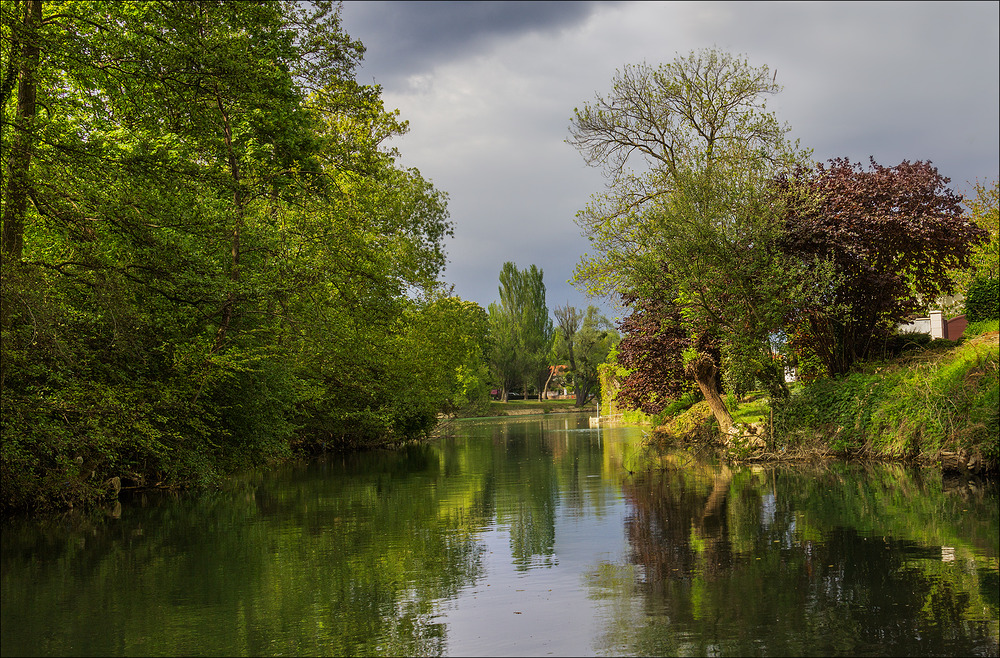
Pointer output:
x,y
690,215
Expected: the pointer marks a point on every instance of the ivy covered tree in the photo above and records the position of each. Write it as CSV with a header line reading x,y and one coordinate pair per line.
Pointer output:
x,y
895,235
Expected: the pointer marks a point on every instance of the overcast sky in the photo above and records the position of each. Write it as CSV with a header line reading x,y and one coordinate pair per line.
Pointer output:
x,y
489,89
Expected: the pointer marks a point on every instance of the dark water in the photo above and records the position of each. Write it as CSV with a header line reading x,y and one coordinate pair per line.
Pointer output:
x,y
521,537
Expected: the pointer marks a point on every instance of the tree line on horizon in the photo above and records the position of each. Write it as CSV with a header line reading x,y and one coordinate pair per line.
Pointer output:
x,y
528,352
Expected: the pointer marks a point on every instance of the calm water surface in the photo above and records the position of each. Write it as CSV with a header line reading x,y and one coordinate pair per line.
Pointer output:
x,y
530,536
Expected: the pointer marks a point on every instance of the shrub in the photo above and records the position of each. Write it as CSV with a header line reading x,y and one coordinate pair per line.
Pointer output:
x,y
983,327
982,299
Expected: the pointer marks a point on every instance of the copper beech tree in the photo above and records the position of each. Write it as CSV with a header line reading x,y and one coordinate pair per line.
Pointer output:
x,y
895,235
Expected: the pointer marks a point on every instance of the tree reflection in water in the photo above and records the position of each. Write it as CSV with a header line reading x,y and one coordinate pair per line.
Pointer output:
x,y
774,561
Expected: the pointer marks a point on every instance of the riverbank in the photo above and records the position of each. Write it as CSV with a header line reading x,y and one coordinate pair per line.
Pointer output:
x,y
526,408
935,406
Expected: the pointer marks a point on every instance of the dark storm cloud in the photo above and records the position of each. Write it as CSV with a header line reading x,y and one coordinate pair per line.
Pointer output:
x,y
403,38
488,90
894,81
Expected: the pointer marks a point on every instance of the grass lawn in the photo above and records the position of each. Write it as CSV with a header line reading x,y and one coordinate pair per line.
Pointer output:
x,y
551,405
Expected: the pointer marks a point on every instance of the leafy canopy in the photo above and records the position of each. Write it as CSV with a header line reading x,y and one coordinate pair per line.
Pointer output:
x,y
691,220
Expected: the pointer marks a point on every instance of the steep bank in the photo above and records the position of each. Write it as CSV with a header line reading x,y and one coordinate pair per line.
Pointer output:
x,y
935,406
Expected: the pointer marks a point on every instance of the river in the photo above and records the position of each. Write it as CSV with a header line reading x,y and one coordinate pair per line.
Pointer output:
x,y
522,536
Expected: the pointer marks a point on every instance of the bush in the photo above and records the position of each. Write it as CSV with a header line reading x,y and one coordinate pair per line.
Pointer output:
x,y
696,425
983,327
903,342
945,400
982,299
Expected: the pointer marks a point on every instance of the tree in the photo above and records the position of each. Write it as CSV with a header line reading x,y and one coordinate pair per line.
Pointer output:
x,y
209,254
691,215
24,50
521,329
503,350
982,279
984,210
562,357
895,235
651,353
585,340
439,364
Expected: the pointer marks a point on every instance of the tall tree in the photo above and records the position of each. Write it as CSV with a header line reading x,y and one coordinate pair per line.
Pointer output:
x,y
523,327
585,340
23,54
217,249
690,152
503,350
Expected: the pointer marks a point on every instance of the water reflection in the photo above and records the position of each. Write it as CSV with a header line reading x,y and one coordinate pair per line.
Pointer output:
x,y
526,536
834,561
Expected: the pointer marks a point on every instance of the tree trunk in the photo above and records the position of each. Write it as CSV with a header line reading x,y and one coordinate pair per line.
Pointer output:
x,y
703,370
228,308
545,391
16,203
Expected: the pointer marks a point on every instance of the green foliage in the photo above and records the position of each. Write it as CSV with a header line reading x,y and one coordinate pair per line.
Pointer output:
x,y
695,424
442,354
982,299
689,228
984,210
983,327
944,398
218,262
585,340
686,401
521,330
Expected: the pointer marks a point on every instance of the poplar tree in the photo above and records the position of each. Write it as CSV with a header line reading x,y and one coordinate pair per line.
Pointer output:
x,y
521,328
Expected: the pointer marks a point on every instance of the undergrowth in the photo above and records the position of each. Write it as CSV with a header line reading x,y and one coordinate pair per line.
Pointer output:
x,y
944,398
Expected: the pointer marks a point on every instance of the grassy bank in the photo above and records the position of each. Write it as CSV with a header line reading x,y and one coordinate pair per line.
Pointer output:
x,y
934,405
526,407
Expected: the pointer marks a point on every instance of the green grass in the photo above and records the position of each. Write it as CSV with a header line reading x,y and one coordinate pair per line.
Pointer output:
x,y
544,406
942,398
755,408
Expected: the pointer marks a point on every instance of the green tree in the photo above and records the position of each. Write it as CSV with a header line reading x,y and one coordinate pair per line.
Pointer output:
x,y
22,50
216,251
691,215
522,330
442,355
981,280
984,210
584,340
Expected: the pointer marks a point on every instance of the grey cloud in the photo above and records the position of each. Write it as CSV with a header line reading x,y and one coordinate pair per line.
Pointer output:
x,y
892,80
403,38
